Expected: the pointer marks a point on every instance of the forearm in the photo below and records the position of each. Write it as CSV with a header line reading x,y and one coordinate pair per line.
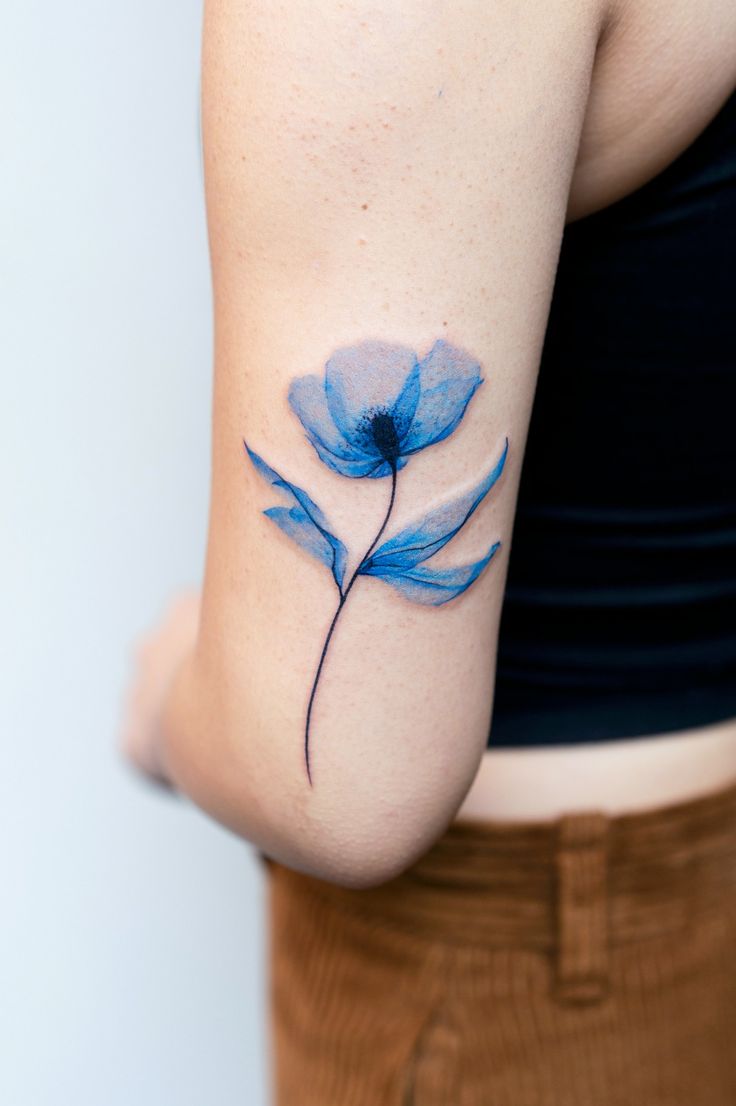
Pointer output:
x,y
204,760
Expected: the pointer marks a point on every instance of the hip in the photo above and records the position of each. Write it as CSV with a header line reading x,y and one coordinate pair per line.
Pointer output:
x,y
584,958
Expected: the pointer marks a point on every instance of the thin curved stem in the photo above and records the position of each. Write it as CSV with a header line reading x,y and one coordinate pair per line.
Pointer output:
x,y
340,605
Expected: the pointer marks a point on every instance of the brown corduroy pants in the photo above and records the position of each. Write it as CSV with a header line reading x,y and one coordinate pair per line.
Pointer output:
x,y
586,960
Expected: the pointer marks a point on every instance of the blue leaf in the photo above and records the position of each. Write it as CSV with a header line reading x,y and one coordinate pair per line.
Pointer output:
x,y
432,586
302,520
418,541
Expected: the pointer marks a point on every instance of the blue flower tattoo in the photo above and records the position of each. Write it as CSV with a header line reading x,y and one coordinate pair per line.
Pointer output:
x,y
377,406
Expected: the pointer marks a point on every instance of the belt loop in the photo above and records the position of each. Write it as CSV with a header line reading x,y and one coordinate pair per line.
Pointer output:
x,y
581,858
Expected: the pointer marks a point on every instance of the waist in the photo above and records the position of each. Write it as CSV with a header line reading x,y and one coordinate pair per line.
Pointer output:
x,y
627,774
551,883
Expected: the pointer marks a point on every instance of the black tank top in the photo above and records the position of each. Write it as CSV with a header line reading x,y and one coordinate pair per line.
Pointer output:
x,y
619,616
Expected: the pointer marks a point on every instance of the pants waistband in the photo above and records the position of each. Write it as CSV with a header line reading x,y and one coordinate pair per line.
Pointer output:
x,y
576,885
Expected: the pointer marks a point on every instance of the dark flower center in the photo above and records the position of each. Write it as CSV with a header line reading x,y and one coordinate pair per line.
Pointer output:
x,y
384,434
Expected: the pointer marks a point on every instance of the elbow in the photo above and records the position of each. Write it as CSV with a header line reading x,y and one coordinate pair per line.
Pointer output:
x,y
359,871
346,842
366,830
358,830
373,850
359,868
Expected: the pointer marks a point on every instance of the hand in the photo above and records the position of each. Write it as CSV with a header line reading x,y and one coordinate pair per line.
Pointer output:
x,y
157,656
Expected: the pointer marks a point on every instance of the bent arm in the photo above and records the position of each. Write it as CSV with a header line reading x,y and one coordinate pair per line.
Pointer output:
x,y
386,195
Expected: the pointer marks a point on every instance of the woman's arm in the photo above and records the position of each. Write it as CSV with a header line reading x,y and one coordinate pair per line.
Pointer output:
x,y
386,194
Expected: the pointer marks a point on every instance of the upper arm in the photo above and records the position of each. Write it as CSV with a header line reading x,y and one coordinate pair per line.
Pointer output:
x,y
383,180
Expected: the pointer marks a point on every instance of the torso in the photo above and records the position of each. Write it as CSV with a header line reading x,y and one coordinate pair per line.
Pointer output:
x,y
662,72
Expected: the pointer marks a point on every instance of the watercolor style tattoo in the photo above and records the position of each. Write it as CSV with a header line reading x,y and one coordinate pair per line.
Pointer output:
x,y
377,406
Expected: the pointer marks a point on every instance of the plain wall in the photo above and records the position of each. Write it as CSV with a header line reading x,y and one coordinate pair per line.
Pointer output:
x,y
131,927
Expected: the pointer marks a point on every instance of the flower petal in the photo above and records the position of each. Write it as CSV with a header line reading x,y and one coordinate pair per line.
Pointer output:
x,y
450,378
433,586
365,466
363,380
305,522
309,402
383,468
419,540
405,407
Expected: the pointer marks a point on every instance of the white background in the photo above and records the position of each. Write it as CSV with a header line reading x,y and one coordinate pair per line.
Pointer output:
x,y
131,927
